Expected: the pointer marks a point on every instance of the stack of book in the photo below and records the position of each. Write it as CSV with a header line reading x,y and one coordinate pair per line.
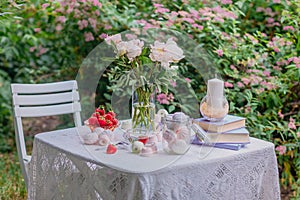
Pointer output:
x,y
230,133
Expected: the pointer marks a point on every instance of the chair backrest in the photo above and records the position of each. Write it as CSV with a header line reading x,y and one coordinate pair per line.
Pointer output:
x,y
37,100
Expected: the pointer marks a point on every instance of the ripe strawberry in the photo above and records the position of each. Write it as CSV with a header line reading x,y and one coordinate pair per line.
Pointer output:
x,y
109,123
98,115
108,117
100,110
93,121
102,122
111,149
112,113
114,122
94,114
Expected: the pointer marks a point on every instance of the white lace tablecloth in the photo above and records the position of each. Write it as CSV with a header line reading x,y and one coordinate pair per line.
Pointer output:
x,y
63,168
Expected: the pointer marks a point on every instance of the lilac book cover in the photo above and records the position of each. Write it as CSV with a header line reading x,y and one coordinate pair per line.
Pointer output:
x,y
230,146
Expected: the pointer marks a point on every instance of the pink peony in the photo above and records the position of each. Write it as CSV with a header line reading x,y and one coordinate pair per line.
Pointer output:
x,y
298,134
270,20
32,49
107,27
97,3
286,28
281,149
291,124
228,85
88,36
266,73
58,28
45,5
246,81
296,60
61,19
199,27
276,49
233,67
226,1
37,30
240,84
189,20
162,10
188,80
162,98
42,50
170,97
280,115
173,83
219,52
93,22
82,24
103,35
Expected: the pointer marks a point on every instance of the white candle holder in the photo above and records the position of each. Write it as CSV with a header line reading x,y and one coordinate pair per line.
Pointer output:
x,y
214,108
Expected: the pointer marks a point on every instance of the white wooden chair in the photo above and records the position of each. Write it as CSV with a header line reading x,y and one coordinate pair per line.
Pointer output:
x,y
37,100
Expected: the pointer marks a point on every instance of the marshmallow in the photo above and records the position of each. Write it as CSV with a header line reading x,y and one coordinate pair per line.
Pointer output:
x,y
159,136
169,136
103,140
137,146
90,138
153,146
152,139
183,132
99,130
82,130
179,146
179,116
160,114
146,151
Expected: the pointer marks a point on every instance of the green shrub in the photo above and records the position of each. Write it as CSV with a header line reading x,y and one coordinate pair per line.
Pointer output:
x,y
255,44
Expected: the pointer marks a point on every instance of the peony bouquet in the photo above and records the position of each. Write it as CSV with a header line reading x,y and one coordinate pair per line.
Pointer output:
x,y
145,68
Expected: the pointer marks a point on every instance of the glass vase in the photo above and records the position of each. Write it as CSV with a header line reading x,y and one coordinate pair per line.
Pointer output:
x,y
214,109
143,110
176,135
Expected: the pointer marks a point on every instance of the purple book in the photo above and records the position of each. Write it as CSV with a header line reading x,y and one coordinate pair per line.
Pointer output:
x,y
230,146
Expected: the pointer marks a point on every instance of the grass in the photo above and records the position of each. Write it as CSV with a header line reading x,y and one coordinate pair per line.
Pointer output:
x,y
12,184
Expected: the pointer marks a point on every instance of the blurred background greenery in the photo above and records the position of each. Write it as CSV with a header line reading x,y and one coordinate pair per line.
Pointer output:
x,y
255,43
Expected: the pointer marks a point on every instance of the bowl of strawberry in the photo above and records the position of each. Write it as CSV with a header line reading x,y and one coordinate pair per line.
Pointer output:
x,y
103,119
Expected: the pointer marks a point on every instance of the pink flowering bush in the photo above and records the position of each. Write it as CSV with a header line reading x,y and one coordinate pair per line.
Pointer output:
x,y
255,45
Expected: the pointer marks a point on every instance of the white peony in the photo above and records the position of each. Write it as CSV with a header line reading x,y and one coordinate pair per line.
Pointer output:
x,y
132,48
165,53
114,38
121,48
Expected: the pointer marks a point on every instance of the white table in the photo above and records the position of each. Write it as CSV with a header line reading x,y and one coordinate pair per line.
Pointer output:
x,y
63,168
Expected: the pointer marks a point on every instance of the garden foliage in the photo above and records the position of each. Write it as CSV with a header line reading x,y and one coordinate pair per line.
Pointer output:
x,y
256,45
